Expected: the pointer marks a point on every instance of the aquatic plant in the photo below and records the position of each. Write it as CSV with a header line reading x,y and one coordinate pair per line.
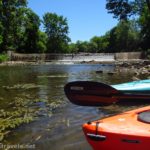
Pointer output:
x,y
22,87
53,76
23,111
11,120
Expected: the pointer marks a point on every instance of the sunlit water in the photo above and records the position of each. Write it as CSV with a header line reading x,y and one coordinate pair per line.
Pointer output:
x,y
61,130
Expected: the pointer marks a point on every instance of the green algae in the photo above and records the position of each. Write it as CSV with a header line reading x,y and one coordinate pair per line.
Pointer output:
x,y
53,76
23,112
22,87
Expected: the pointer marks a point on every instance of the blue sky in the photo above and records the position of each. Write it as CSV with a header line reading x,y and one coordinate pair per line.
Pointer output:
x,y
86,18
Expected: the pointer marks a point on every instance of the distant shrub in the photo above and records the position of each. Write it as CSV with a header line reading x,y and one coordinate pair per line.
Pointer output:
x,y
3,58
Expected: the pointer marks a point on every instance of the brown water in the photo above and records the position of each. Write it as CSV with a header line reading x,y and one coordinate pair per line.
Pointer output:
x,y
59,128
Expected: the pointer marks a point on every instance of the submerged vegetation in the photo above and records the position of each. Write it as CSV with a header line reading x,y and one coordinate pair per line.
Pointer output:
x,y
24,109
22,86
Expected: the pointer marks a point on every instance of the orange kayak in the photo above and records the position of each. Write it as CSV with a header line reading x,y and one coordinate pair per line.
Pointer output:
x,y
126,131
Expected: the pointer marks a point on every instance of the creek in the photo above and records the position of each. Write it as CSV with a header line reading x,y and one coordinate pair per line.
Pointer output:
x,y
51,121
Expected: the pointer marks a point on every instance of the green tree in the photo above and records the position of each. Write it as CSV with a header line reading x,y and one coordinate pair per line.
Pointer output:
x,y
144,21
104,43
124,37
19,36
56,28
31,33
99,44
148,4
122,32
82,46
123,9
41,44
112,40
120,8
95,44
138,6
8,19
92,47
73,48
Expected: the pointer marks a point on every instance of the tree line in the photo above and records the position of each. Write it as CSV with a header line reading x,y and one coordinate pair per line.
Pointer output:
x,y
20,29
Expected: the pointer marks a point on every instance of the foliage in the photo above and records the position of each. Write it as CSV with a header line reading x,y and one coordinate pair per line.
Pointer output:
x,y
31,33
124,37
20,29
120,8
73,48
82,46
123,9
100,43
95,44
3,58
9,22
138,6
148,4
144,21
41,44
56,28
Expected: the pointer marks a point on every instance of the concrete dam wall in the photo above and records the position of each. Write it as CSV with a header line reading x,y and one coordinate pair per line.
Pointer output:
x,y
80,57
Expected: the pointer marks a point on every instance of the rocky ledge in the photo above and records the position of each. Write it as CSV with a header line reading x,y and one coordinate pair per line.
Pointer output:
x,y
140,68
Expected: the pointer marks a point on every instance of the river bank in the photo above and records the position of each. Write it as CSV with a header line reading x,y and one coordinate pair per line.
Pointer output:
x,y
140,69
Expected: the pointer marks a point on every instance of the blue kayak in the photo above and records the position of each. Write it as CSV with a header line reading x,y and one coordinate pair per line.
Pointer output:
x,y
140,86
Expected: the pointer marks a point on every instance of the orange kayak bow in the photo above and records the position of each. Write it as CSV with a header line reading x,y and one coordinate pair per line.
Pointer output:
x,y
126,131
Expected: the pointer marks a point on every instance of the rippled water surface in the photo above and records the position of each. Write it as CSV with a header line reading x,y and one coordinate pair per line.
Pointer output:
x,y
60,127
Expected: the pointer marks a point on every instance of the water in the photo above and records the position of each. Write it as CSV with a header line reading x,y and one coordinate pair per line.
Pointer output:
x,y
60,128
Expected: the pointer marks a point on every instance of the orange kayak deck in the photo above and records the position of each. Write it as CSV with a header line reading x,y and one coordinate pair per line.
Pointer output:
x,y
120,132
